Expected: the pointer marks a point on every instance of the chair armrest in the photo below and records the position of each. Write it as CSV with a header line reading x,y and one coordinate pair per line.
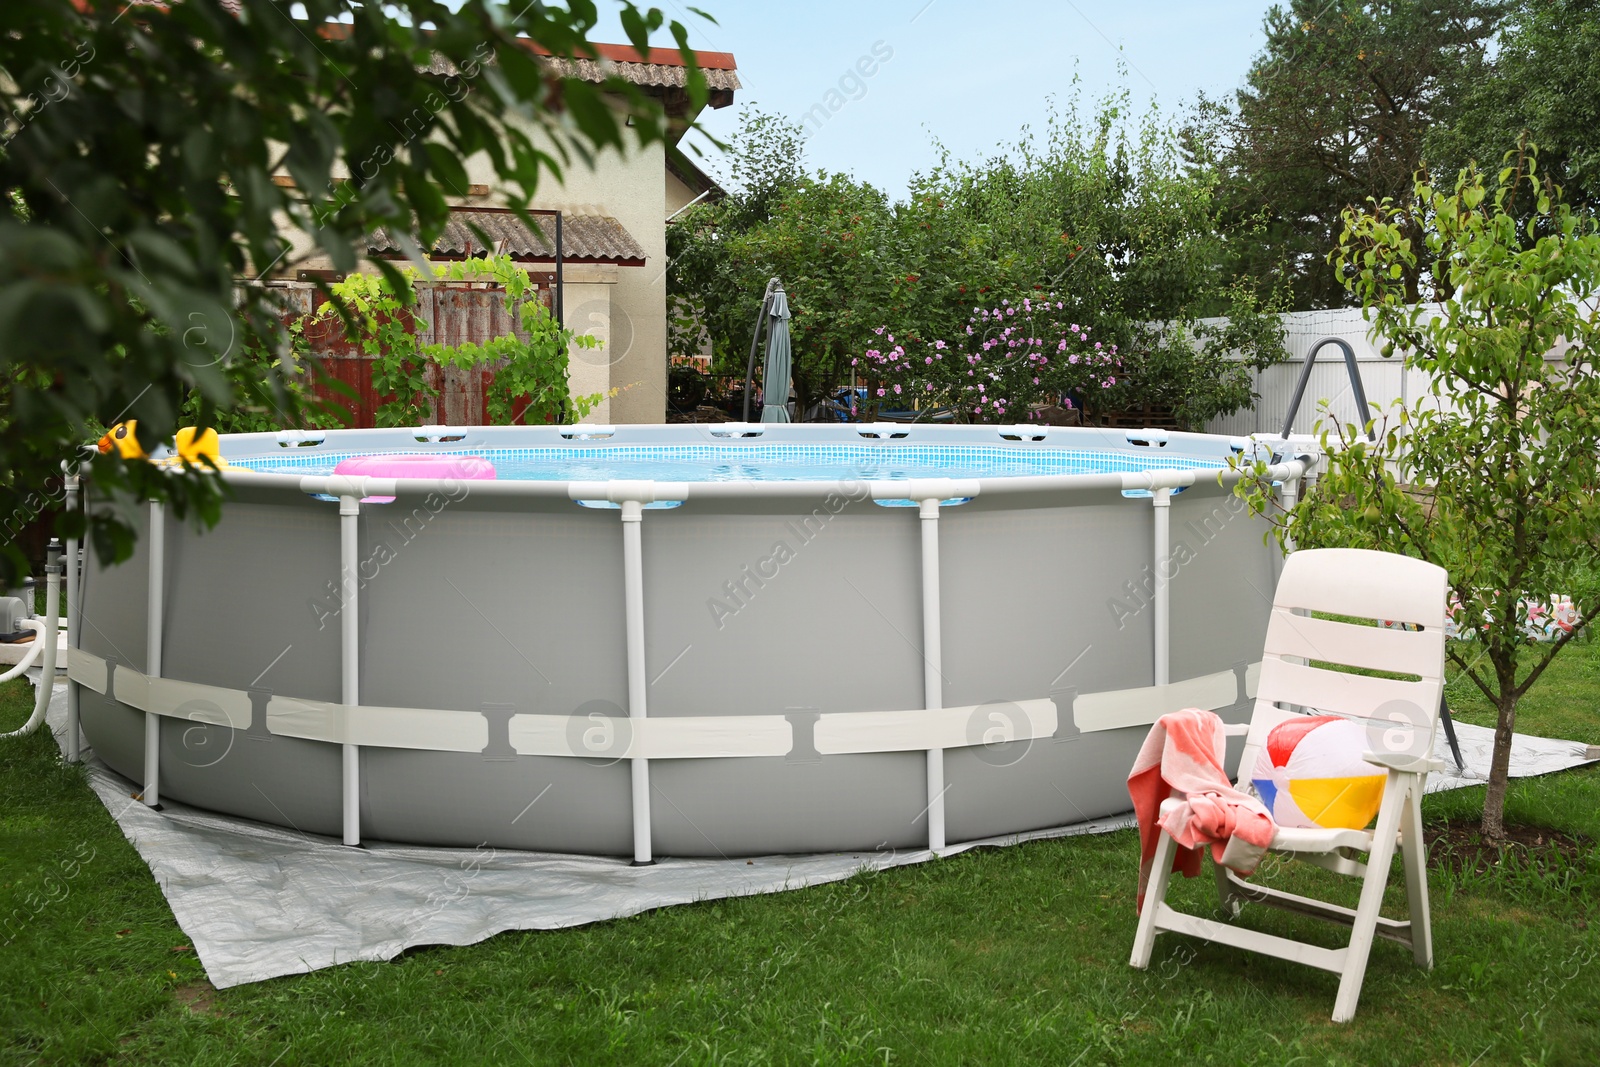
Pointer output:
x,y
1235,729
1403,761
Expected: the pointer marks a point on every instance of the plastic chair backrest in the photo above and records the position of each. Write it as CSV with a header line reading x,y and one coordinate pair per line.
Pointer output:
x,y
1401,714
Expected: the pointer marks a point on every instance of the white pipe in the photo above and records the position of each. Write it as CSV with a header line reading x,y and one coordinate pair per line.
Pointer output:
x,y
154,608
1291,493
932,664
690,204
340,485
45,635
1162,501
350,656
74,607
633,604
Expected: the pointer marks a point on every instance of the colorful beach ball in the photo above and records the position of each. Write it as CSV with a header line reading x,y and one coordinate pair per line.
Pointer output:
x,y
1311,774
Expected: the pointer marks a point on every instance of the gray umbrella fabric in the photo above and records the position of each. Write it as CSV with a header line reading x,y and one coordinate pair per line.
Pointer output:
x,y
775,370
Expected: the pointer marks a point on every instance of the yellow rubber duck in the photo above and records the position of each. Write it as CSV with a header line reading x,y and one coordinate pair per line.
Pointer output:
x,y
192,447
199,448
121,438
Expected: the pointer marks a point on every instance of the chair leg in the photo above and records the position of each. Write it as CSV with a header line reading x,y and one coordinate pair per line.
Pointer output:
x,y
1414,855
1372,886
1144,938
1227,898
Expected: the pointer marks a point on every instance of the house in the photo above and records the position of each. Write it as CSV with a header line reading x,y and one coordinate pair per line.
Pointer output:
x,y
608,274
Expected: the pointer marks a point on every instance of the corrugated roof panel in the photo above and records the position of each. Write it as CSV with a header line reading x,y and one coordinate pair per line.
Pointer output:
x,y
584,238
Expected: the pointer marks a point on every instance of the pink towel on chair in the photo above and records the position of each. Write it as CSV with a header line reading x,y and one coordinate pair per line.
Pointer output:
x,y
1183,754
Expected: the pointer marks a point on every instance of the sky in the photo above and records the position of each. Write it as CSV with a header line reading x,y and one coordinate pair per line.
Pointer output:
x,y
970,75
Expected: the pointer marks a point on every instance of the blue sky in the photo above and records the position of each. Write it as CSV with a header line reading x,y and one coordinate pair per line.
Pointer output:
x,y
969,74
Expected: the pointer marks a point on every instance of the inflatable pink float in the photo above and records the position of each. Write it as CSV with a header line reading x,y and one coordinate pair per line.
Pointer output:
x,y
443,468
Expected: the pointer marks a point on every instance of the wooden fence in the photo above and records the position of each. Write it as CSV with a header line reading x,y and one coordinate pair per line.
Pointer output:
x,y
445,313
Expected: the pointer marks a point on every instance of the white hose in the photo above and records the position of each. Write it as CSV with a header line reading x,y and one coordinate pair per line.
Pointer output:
x,y
47,636
32,655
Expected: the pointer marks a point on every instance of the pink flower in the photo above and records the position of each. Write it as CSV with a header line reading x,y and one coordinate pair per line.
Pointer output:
x,y
897,390
929,360
980,387
880,392
1073,328
852,363
928,387
878,330
940,344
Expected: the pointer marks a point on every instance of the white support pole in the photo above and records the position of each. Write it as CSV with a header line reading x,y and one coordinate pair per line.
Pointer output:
x,y
1162,499
154,611
74,750
633,601
350,655
932,665
1291,493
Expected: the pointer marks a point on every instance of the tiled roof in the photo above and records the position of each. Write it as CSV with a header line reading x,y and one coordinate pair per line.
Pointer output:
x,y
230,6
584,238
623,62
652,74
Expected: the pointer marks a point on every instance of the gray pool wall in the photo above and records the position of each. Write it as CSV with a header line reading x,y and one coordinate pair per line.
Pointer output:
x,y
494,605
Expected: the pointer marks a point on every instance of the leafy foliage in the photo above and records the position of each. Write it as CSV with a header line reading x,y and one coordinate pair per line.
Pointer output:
x,y
529,366
140,143
1005,359
1336,110
1494,475
1545,86
1111,219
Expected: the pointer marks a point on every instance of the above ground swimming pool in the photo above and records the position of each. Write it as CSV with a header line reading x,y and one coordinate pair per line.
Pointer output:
x,y
677,640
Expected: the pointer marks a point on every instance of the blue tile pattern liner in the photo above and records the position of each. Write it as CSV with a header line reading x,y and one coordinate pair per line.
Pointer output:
x,y
786,462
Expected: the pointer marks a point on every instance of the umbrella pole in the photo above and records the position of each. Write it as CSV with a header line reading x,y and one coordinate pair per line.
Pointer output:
x,y
755,342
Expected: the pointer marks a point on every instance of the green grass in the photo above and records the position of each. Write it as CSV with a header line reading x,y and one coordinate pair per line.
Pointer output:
x,y
1008,955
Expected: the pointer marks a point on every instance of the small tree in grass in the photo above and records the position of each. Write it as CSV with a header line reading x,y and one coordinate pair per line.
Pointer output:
x,y
1493,474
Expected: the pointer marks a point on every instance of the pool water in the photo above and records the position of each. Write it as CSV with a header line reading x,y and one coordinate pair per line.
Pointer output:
x,y
770,463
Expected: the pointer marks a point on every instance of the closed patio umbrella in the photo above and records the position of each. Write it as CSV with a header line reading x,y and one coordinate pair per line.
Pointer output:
x,y
775,371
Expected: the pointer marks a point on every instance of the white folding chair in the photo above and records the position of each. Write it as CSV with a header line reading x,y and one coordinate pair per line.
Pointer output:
x,y
1401,716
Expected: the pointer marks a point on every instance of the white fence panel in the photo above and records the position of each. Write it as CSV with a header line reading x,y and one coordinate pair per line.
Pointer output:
x,y
1384,380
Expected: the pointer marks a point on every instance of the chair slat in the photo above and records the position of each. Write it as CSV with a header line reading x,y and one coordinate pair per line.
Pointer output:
x,y
1367,585
1352,695
1419,652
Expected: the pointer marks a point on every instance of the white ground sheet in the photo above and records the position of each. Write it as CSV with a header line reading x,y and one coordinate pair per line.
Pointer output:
x,y
258,902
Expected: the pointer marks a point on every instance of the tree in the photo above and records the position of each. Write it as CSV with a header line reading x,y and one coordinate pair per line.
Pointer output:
x,y
1495,475
138,163
1105,214
1544,85
1336,110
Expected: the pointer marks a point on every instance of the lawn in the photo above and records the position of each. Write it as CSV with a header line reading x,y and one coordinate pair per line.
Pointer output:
x,y
1007,955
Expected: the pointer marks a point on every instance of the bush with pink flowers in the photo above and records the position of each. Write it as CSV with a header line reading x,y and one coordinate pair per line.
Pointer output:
x,y
1009,358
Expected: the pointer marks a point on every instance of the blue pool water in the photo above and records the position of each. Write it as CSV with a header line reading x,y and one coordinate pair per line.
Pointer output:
x,y
769,463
